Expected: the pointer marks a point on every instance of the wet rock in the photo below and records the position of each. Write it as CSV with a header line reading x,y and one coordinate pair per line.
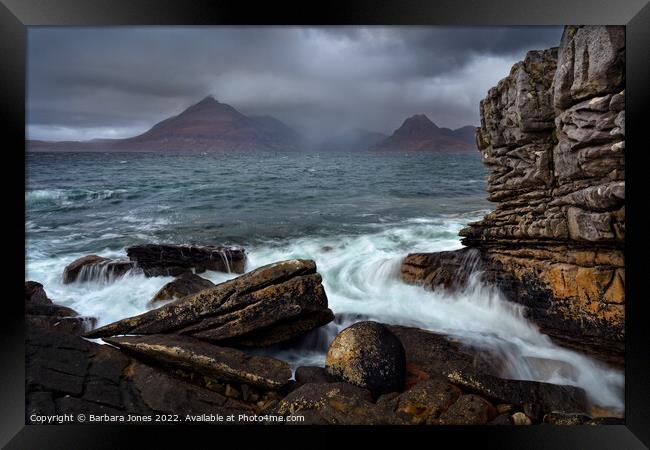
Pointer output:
x,y
368,355
520,418
220,363
271,304
169,259
75,325
65,374
501,419
50,310
467,410
449,270
313,374
505,408
35,294
545,396
427,400
533,411
185,284
434,354
477,371
334,404
606,421
559,418
414,375
72,270
95,268
41,312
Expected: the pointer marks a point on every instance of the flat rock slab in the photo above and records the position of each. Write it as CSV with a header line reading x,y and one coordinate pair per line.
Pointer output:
x,y
268,305
221,363
66,374
548,397
169,259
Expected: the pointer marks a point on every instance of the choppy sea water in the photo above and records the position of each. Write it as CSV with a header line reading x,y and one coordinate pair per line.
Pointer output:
x,y
356,215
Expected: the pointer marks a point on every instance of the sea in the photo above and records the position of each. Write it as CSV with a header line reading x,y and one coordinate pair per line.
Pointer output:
x,y
357,215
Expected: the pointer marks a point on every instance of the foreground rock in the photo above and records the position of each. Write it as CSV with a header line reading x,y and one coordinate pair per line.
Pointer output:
x,y
476,371
220,363
186,284
42,312
66,374
552,136
335,404
168,259
368,355
271,304
95,268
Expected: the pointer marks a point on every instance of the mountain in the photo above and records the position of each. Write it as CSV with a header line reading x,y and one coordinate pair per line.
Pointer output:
x,y
207,125
351,140
418,133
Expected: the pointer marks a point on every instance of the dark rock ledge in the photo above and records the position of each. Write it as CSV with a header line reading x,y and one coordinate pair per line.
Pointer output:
x,y
158,260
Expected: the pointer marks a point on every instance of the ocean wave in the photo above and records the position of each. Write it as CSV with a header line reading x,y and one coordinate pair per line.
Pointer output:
x,y
69,196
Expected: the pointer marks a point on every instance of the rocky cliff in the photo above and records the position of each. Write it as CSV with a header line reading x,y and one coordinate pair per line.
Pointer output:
x,y
552,135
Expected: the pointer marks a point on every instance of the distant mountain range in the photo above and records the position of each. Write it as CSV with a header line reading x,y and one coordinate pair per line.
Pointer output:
x,y
207,125
213,126
418,133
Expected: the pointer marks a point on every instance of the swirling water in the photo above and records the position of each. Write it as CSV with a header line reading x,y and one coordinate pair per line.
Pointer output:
x,y
357,215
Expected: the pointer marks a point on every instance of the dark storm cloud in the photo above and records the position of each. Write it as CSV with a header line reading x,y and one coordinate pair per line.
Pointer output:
x,y
114,82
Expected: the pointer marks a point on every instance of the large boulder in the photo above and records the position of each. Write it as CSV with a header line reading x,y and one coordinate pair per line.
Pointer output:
x,y
185,284
169,259
268,305
220,363
368,355
95,268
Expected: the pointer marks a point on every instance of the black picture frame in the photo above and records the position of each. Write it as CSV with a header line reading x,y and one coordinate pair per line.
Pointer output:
x,y
16,15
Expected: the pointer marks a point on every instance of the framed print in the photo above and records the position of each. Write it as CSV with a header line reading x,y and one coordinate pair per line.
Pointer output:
x,y
376,218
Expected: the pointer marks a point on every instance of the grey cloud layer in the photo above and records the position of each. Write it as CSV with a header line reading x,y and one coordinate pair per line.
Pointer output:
x,y
112,82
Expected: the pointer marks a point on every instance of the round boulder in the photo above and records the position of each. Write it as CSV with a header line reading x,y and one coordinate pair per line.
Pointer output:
x,y
368,355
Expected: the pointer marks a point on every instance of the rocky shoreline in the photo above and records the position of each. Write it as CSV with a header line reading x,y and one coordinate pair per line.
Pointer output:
x,y
552,136
191,357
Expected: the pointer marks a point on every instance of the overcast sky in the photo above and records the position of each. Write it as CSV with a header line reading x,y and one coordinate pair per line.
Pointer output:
x,y
86,83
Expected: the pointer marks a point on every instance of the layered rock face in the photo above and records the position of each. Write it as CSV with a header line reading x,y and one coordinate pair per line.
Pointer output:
x,y
553,138
272,304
